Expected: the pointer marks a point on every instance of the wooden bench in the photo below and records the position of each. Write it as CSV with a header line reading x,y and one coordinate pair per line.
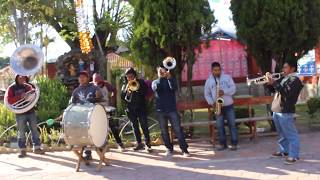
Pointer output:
x,y
248,102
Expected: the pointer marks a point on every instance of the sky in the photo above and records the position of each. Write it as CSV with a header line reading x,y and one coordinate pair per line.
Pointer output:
x,y
59,47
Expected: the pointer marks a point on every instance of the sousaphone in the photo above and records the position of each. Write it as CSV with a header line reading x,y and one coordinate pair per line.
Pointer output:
x,y
26,60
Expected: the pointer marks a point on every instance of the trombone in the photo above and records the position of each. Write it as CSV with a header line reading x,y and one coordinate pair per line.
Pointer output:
x,y
263,79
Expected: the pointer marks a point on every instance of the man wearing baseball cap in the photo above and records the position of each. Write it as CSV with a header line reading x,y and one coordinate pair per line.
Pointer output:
x,y
86,93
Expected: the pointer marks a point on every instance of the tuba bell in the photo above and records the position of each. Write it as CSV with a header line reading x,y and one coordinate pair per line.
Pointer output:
x,y
169,63
26,60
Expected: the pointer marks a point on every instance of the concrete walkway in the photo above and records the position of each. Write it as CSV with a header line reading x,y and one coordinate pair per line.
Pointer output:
x,y
251,161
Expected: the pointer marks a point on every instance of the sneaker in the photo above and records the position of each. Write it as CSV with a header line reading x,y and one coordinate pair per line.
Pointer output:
x,y
38,151
22,154
290,160
279,154
121,147
149,149
221,147
138,147
233,147
169,153
186,154
88,157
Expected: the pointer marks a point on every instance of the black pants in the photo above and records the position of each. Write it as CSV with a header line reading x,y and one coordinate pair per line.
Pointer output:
x,y
114,126
138,117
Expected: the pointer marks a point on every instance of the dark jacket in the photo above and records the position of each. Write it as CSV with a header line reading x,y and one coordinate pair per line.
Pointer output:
x,y
165,94
289,90
138,100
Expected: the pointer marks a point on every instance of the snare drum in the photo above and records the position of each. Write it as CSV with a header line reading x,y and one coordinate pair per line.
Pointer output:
x,y
85,125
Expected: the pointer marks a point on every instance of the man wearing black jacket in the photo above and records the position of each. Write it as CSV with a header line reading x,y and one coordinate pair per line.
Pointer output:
x,y
164,88
287,90
136,108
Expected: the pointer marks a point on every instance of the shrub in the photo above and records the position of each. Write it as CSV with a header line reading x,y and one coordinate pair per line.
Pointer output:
x,y
7,119
313,105
53,98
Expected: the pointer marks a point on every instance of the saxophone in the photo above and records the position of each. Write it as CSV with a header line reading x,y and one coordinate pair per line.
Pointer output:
x,y
219,101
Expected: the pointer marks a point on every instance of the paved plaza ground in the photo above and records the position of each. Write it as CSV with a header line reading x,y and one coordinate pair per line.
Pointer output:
x,y
251,161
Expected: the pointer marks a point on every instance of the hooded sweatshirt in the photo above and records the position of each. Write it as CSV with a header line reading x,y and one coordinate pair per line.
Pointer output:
x,y
164,90
226,84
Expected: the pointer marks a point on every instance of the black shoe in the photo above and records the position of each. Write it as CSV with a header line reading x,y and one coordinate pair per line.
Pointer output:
x,y
290,160
88,157
149,149
38,151
221,147
279,154
22,154
138,147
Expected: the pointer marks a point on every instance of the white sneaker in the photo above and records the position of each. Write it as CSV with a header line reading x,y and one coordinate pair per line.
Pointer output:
x,y
121,148
169,153
186,154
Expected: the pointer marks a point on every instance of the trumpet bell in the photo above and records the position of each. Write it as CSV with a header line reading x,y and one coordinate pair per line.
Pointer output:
x,y
169,63
27,60
134,85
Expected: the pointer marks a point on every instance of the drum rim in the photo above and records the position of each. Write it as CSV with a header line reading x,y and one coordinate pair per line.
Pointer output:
x,y
106,139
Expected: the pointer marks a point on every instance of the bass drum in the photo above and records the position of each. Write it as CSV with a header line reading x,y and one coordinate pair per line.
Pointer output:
x,y
85,125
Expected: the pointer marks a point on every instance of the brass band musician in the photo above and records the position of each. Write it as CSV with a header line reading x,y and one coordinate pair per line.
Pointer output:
x,y
218,91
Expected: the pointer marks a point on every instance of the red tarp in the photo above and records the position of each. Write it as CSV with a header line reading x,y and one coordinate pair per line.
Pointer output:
x,y
229,53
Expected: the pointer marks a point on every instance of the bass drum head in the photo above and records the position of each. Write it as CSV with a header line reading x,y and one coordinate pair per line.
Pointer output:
x,y
99,126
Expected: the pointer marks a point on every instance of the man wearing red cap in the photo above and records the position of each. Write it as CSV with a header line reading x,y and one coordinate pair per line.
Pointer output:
x,y
86,93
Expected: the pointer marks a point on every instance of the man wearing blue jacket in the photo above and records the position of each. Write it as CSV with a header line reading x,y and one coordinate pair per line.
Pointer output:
x,y
164,88
226,90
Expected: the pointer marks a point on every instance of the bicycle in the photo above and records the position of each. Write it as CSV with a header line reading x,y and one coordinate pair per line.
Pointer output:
x,y
126,127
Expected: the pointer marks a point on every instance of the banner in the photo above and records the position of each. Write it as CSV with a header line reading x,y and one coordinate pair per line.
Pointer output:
x,y
306,65
229,53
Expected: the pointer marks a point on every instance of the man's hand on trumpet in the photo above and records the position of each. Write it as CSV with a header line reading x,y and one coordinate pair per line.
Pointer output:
x,y
270,80
167,74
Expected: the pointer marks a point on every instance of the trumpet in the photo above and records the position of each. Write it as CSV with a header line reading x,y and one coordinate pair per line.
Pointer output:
x,y
263,79
169,63
132,86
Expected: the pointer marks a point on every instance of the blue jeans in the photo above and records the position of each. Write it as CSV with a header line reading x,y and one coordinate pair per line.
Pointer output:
x,y
289,141
22,121
227,113
139,116
175,123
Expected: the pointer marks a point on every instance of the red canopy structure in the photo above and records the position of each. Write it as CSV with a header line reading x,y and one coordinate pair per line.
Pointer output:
x,y
224,49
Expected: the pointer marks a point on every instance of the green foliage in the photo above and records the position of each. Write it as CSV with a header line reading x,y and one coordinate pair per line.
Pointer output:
x,y
313,105
7,119
169,27
53,98
4,61
277,29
